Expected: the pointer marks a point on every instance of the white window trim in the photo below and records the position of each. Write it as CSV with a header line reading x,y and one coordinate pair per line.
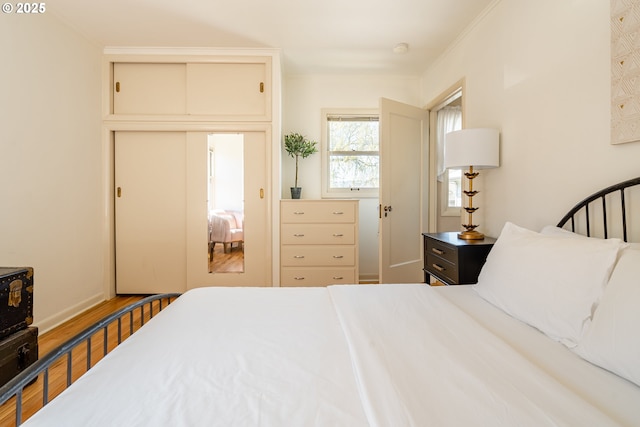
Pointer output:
x,y
326,193
445,209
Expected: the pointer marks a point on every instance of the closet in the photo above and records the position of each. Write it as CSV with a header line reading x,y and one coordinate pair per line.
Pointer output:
x,y
163,111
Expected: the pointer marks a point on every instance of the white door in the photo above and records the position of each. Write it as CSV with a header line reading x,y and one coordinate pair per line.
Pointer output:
x,y
403,191
150,212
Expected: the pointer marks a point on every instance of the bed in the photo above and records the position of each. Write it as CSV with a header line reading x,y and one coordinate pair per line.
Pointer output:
x,y
548,337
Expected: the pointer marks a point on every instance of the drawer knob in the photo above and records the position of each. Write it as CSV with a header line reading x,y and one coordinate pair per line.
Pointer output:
x,y
338,256
298,256
437,251
438,267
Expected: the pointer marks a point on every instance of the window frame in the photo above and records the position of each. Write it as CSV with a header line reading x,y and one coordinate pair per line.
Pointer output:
x,y
328,192
446,208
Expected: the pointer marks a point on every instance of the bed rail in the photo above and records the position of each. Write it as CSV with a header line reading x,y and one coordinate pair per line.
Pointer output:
x,y
16,386
585,210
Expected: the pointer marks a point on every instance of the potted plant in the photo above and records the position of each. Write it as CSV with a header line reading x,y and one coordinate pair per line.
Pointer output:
x,y
297,146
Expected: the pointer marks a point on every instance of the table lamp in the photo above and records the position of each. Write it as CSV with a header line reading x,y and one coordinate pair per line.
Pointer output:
x,y
473,149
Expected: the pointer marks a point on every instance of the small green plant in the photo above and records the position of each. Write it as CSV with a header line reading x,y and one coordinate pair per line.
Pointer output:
x,y
297,146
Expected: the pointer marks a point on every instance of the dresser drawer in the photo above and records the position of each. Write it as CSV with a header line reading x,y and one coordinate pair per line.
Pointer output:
x,y
308,211
308,255
441,267
318,234
313,276
442,250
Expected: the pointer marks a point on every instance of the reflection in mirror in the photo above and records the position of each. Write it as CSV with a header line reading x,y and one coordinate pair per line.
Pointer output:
x,y
225,195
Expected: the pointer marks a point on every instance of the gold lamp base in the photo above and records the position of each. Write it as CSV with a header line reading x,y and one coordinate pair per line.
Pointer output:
x,y
471,235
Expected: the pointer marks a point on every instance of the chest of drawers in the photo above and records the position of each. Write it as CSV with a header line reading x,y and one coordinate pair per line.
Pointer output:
x,y
454,261
318,242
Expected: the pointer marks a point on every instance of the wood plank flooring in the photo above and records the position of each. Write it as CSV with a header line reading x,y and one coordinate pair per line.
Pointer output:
x,y
32,396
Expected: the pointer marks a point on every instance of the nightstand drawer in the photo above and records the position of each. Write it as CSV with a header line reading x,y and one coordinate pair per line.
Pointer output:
x,y
440,267
441,250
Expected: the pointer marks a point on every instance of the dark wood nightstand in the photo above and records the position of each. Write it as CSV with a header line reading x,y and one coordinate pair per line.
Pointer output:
x,y
454,261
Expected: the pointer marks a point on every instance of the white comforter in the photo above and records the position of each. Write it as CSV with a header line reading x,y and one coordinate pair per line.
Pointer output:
x,y
379,355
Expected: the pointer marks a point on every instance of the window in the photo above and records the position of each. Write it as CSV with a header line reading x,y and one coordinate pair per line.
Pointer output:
x,y
350,153
448,119
454,181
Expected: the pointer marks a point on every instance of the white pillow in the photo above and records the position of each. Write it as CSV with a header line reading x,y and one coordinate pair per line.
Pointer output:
x,y
550,282
613,339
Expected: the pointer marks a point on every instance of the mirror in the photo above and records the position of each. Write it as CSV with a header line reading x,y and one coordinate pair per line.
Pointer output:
x,y
225,202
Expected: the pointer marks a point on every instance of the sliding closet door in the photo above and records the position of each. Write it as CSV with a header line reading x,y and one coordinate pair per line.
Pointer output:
x,y
227,175
150,204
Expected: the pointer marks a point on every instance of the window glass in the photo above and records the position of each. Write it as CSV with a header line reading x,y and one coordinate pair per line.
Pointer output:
x,y
351,154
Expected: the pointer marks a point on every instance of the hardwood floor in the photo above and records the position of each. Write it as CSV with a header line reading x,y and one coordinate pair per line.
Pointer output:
x,y
32,396
231,261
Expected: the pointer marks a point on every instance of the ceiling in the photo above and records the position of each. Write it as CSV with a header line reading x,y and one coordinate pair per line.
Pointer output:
x,y
327,36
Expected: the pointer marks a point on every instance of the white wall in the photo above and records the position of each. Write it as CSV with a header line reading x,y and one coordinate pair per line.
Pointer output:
x,y
303,99
51,179
540,72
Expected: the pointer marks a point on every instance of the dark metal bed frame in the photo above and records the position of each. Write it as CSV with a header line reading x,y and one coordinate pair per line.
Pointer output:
x,y
16,386
580,213
586,206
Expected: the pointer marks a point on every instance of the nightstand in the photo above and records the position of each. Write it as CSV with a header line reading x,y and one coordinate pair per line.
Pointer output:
x,y
454,261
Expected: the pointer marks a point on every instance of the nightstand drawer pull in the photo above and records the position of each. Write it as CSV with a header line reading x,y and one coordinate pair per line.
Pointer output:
x,y
298,213
298,278
338,213
298,235
338,256
438,267
298,256
338,235
437,251
338,278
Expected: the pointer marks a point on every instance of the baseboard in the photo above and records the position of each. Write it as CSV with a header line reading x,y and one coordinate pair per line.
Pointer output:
x,y
58,319
368,279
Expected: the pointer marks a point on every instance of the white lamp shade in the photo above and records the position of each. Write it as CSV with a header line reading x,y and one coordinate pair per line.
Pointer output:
x,y
479,148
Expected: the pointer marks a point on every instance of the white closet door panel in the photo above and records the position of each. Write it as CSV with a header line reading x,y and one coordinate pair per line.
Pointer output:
x,y
150,212
257,218
235,89
149,88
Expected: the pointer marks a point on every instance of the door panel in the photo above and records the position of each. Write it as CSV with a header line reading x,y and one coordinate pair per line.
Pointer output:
x,y
257,220
239,89
149,88
150,212
403,188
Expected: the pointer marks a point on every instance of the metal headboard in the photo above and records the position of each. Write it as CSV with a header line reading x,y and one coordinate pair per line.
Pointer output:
x,y
588,208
